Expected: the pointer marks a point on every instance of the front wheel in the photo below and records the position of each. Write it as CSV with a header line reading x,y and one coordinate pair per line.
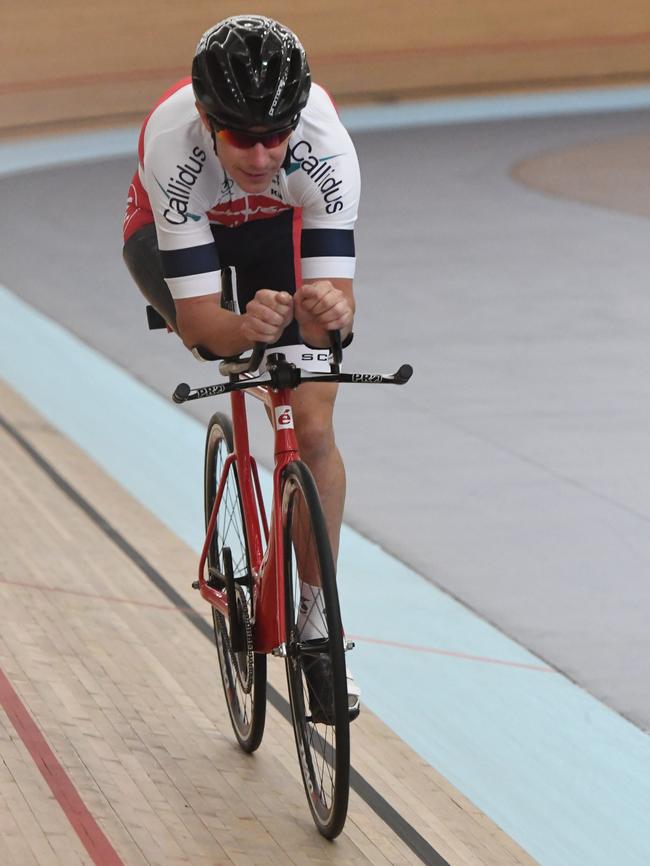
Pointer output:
x,y
315,655
243,672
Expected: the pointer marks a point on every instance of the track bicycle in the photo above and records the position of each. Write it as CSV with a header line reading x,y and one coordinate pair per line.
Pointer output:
x,y
252,571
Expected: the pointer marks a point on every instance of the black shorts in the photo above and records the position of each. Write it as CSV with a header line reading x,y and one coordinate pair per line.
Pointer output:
x,y
261,253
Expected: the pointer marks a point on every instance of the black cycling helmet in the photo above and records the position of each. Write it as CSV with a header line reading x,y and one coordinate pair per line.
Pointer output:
x,y
248,71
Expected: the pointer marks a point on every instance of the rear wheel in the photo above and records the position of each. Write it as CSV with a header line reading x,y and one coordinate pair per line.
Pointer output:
x,y
315,655
243,672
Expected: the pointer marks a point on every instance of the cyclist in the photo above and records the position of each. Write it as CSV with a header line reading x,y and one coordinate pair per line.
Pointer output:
x,y
246,165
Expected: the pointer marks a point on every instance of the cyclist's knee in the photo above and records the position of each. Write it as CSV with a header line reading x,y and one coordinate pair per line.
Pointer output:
x,y
316,444
315,432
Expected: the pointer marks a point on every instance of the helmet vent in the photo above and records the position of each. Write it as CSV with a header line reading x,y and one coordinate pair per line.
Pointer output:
x,y
273,69
242,73
251,71
254,45
295,65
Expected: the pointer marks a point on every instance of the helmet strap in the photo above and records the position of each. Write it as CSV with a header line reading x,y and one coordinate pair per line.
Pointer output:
x,y
213,136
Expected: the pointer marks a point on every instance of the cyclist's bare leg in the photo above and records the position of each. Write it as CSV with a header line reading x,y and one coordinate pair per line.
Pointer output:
x,y
313,418
313,409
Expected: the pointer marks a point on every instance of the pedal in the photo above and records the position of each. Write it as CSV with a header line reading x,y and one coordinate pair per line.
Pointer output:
x,y
353,712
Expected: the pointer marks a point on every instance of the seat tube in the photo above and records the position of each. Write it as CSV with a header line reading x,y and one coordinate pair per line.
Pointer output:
x,y
286,451
283,427
270,628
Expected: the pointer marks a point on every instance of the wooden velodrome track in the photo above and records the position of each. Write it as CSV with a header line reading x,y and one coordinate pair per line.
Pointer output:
x,y
63,64
101,689
578,792
114,737
115,740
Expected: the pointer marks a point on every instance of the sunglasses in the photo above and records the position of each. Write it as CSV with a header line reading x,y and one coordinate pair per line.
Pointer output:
x,y
246,140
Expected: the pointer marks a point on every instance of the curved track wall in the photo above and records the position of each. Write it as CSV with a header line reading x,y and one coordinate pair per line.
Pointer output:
x,y
68,63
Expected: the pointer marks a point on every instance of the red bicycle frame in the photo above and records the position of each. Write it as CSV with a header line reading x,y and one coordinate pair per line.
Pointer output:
x,y
267,567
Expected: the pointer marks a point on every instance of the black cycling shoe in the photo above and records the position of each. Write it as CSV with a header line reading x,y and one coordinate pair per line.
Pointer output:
x,y
318,674
321,692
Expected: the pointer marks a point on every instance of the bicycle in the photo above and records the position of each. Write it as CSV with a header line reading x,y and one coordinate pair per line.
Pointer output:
x,y
255,568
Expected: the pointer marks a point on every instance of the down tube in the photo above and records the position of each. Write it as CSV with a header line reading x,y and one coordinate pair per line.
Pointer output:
x,y
278,538
245,478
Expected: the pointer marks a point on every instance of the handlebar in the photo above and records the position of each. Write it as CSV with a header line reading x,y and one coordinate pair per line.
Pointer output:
x,y
337,348
280,373
275,378
403,374
237,366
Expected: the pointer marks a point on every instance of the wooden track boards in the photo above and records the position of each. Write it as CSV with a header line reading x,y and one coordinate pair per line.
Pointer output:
x,y
125,691
612,173
112,61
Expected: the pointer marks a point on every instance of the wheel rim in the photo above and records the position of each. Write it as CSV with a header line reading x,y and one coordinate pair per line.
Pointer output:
x,y
316,741
229,530
237,669
238,697
316,745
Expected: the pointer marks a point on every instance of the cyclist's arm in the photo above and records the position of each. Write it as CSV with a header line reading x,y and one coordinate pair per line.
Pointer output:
x,y
329,198
202,322
175,145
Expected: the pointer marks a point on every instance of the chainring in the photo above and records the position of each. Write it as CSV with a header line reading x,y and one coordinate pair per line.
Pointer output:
x,y
242,661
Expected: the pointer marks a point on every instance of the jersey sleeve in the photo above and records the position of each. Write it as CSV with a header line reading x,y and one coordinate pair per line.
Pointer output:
x,y
174,173
324,168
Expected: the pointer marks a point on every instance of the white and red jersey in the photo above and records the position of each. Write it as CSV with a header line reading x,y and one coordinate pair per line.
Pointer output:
x,y
182,187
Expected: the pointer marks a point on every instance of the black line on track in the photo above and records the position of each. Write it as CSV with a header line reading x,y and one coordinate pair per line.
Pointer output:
x,y
382,808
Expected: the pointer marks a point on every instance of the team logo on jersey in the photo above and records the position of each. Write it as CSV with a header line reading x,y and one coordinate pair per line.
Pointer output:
x,y
179,188
228,187
235,212
320,171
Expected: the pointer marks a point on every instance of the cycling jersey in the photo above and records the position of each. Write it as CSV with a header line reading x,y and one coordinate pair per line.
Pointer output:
x,y
182,187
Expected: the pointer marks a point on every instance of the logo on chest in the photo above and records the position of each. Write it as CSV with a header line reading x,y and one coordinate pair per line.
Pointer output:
x,y
236,211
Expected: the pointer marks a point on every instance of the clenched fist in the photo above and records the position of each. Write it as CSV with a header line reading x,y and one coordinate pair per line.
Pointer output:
x,y
267,315
320,307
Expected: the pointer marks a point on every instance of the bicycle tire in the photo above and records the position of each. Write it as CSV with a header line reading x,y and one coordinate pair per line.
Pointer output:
x,y
243,674
319,708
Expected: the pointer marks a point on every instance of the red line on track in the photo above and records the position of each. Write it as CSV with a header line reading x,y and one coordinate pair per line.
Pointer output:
x,y
456,655
375,640
87,829
41,587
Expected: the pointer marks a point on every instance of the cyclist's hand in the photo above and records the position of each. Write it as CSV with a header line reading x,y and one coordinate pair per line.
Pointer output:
x,y
321,306
267,315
